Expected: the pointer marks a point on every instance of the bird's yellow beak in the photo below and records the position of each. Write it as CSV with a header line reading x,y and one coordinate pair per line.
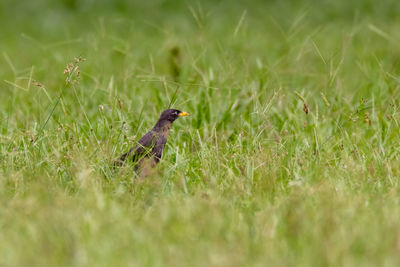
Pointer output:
x,y
183,114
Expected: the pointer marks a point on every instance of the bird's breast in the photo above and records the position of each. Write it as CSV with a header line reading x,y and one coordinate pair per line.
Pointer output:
x,y
165,132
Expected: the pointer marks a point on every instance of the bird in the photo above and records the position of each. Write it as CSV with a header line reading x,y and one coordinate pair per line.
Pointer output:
x,y
151,146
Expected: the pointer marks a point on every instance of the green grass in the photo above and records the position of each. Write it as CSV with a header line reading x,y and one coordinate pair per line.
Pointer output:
x,y
249,179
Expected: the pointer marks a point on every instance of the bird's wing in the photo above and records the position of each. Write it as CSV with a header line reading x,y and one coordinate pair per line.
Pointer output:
x,y
144,145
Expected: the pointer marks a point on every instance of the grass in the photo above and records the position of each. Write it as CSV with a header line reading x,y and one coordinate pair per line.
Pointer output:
x,y
290,157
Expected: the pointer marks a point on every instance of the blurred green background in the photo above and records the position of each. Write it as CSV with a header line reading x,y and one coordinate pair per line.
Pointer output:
x,y
290,156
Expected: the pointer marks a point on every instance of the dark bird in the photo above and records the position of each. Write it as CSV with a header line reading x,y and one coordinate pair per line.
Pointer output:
x,y
151,145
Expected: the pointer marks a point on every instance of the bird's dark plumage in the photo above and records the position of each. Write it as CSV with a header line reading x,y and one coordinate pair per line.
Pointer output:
x,y
151,145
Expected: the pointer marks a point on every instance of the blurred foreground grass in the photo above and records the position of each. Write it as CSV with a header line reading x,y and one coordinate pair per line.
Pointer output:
x,y
250,178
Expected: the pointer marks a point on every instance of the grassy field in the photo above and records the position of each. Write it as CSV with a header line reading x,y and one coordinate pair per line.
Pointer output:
x,y
290,157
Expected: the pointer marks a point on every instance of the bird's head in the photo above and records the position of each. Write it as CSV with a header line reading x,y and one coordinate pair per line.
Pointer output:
x,y
172,114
